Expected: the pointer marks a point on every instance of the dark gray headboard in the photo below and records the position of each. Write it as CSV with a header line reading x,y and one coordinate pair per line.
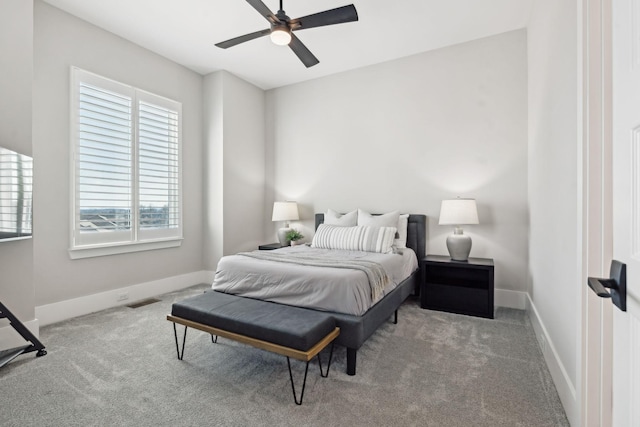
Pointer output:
x,y
416,232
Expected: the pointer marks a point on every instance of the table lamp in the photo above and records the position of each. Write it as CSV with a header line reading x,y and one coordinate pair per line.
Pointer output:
x,y
284,211
458,212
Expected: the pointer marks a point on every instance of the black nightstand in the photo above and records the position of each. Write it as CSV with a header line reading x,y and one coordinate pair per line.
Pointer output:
x,y
270,246
463,287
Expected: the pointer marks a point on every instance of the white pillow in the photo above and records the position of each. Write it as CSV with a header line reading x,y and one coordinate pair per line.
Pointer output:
x,y
387,220
347,220
391,219
360,238
403,224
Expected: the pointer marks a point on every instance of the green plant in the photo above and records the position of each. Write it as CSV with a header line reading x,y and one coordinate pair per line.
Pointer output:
x,y
293,235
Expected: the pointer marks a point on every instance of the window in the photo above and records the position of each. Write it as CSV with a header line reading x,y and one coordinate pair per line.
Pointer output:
x,y
16,195
126,168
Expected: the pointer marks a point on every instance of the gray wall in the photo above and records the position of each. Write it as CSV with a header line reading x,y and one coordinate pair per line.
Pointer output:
x,y
60,41
409,133
554,192
234,176
16,74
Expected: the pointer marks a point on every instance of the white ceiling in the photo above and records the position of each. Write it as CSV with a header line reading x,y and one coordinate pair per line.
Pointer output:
x,y
185,31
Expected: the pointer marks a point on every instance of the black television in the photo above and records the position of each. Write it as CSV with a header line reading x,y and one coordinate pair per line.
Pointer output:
x,y
16,195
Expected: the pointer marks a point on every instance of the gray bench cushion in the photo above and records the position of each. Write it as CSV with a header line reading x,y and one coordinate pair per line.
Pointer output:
x,y
280,324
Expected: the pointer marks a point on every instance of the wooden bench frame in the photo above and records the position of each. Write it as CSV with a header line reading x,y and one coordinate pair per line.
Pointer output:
x,y
304,356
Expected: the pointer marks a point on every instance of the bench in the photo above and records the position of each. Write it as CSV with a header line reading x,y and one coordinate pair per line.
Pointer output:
x,y
282,329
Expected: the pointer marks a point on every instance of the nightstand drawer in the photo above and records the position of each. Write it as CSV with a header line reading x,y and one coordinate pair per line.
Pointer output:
x,y
459,277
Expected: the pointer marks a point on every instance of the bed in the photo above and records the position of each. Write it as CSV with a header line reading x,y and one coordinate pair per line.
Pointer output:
x,y
357,318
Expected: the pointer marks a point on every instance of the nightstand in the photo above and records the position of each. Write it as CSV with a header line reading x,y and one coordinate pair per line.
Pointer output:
x,y
270,246
463,287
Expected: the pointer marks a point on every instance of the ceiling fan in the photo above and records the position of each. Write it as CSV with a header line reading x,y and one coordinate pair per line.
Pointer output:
x,y
282,28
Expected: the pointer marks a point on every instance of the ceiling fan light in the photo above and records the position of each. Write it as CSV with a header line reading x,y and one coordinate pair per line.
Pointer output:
x,y
280,36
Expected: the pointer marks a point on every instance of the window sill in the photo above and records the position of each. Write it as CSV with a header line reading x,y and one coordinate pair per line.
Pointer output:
x,y
122,248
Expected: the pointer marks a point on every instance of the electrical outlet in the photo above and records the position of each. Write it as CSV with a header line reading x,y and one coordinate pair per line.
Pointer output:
x,y
123,296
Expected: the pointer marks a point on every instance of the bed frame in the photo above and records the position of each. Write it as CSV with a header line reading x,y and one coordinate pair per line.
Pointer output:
x,y
355,330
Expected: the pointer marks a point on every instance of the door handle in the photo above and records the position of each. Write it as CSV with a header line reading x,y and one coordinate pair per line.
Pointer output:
x,y
617,283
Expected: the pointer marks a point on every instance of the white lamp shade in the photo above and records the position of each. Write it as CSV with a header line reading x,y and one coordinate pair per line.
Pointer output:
x,y
458,212
285,211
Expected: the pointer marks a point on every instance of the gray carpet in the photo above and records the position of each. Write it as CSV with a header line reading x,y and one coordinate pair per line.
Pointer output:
x,y
119,368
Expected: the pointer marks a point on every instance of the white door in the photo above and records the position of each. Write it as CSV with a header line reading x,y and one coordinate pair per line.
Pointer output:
x,y
626,207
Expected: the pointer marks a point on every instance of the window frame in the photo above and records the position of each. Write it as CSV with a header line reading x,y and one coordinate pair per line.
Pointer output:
x,y
83,245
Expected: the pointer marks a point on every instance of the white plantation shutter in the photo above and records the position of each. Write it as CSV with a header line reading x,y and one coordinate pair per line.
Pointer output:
x,y
126,146
16,194
158,167
104,164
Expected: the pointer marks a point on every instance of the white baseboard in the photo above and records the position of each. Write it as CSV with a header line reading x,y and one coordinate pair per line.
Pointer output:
x,y
10,338
566,389
63,310
510,299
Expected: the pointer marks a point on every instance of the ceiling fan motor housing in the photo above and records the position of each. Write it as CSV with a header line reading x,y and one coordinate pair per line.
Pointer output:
x,y
282,16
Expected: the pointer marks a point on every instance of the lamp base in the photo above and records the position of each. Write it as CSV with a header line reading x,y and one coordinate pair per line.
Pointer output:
x,y
282,236
459,245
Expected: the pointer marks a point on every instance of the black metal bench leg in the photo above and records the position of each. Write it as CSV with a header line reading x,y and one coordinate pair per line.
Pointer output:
x,y
184,340
214,338
395,317
304,382
326,374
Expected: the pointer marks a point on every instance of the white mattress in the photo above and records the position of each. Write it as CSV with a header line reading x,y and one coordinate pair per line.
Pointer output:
x,y
321,288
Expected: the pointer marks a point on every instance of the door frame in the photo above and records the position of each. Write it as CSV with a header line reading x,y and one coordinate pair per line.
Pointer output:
x,y
597,211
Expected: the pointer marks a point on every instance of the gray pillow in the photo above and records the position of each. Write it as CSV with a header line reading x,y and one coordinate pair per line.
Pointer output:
x,y
347,220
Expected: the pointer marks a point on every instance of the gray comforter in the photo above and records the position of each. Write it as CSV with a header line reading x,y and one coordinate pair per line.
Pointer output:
x,y
317,278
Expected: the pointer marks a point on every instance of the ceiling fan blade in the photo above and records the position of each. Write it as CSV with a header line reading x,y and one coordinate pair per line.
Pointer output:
x,y
237,40
264,11
301,51
328,17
